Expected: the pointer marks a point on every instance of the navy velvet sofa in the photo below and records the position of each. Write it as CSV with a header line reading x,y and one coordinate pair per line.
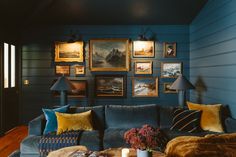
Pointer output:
x,y
110,123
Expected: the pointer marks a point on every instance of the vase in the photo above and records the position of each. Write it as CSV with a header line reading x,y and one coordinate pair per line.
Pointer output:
x,y
143,153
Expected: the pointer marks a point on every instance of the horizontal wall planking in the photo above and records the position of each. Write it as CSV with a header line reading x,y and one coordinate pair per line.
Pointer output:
x,y
38,72
32,63
211,12
38,47
216,38
223,59
26,55
37,88
215,49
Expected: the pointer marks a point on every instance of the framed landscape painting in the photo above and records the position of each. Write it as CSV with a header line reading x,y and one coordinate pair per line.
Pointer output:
x,y
113,86
145,87
62,70
79,91
143,67
171,69
143,49
169,50
79,70
166,88
109,55
69,52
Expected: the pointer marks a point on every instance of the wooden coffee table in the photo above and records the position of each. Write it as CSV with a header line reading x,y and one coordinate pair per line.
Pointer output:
x,y
116,152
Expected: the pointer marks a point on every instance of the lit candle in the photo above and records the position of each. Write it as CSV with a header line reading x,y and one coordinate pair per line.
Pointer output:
x,y
125,152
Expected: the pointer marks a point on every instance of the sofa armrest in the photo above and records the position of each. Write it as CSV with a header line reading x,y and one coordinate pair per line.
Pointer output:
x,y
230,125
36,126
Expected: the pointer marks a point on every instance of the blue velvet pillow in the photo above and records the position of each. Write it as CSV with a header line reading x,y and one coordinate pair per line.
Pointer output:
x,y
51,124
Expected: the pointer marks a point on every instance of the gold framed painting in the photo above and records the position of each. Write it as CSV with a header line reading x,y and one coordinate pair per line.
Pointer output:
x,y
167,90
109,55
171,69
143,67
145,87
79,70
143,49
169,50
62,70
69,52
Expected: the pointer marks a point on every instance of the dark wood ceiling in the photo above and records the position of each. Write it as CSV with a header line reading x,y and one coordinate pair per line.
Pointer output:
x,y
99,12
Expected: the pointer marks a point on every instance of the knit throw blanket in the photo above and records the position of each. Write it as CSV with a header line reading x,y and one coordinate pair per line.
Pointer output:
x,y
50,142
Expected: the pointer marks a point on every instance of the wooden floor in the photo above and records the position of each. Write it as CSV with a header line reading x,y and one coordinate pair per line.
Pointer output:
x,y
11,141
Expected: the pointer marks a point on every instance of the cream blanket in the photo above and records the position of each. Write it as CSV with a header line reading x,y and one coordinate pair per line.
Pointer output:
x,y
223,145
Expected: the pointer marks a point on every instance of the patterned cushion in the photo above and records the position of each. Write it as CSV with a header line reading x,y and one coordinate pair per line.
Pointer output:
x,y
186,120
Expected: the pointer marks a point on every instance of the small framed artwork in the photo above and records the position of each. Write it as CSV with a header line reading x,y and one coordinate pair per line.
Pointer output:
x,y
113,86
69,52
169,50
79,91
62,70
166,88
143,67
143,49
171,69
145,87
79,70
109,55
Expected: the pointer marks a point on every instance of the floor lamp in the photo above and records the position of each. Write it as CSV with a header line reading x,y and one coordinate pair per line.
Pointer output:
x,y
181,84
63,85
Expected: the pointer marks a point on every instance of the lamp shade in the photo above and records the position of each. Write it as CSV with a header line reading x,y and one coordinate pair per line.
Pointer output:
x,y
181,83
62,84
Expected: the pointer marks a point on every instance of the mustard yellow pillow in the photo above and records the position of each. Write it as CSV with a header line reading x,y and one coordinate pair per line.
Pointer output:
x,y
210,118
77,121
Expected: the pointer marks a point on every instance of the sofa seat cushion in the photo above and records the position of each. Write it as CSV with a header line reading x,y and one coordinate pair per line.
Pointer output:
x,y
172,133
120,116
30,145
91,139
114,138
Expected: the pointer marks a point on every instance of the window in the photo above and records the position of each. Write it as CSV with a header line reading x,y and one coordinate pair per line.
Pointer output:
x,y
12,69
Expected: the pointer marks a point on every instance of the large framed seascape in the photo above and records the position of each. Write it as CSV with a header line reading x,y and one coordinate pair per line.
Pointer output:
x,y
113,86
169,50
171,69
79,91
69,52
167,90
109,55
143,49
143,67
145,87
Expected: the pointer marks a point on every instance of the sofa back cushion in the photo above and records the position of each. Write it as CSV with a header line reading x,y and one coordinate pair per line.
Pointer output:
x,y
97,115
166,116
118,116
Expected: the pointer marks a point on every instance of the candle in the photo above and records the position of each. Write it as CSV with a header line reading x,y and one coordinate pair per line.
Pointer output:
x,y
125,152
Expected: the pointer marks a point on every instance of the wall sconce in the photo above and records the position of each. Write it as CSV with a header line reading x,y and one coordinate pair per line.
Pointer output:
x,y
26,82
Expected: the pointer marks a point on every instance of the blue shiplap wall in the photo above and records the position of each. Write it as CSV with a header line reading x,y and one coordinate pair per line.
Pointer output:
x,y
213,54
38,66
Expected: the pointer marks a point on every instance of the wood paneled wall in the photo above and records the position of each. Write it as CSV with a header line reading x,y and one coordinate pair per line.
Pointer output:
x,y
38,66
213,54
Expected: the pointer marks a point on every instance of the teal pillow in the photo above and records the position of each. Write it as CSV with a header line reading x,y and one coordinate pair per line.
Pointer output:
x,y
51,124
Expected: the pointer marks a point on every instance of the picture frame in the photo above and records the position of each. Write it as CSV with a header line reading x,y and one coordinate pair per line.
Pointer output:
x,y
110,86
167,90
79,70
145,87
144,49
143,67
109,55
62,70
169,50
80,90
69,52
171,69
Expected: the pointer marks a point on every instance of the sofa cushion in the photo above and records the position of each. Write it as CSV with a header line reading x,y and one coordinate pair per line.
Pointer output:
x,y
30,145
91,139
118,116
230,125
97,115
166,116
114,138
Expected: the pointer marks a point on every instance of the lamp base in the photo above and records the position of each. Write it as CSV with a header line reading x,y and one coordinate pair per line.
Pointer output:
x,y
181,94
63,98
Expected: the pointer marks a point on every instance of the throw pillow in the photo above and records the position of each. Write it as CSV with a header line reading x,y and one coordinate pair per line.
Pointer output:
x,y
210,119
77,121
51,124
186,120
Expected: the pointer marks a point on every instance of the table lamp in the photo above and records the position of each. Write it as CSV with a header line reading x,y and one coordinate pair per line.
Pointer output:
x,y
63,85
181,84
